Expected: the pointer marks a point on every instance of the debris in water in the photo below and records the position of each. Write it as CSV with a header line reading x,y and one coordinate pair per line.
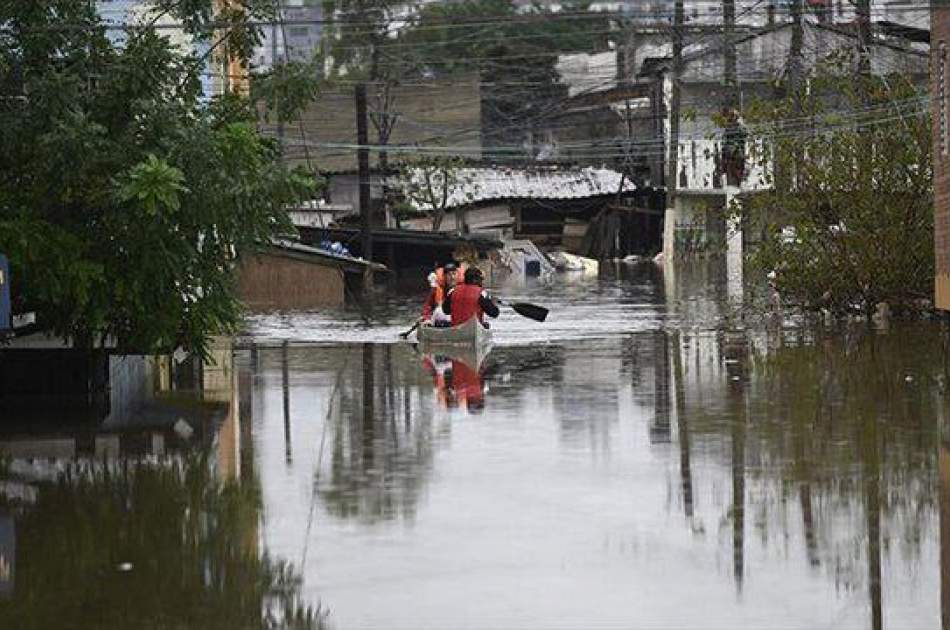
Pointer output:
x,y
125,567
183,429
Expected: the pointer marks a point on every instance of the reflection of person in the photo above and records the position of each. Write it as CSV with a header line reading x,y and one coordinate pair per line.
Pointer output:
x,y
456,383
440,368
467,383
469,300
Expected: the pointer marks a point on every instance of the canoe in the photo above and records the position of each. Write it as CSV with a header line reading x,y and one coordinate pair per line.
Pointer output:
x,y
470,334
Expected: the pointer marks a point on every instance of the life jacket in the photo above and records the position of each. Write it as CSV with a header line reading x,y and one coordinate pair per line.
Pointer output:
x,y
439,286
440,282
465,304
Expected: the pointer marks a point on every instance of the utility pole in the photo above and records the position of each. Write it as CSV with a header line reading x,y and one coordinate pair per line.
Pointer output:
x,y
795,57
362,161
673,149
273,68
730,77
863,13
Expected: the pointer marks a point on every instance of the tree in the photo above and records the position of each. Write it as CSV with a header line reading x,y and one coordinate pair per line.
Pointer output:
x,y
848,222
432,184
126,197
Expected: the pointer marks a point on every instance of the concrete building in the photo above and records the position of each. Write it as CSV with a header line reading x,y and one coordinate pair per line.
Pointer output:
x,y
939,77
118,15
297,39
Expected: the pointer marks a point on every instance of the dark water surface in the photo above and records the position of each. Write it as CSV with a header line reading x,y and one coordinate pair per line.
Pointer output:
x,y
638,461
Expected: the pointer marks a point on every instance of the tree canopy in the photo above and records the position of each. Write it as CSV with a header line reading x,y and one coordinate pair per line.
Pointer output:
x,y
848,221
126,194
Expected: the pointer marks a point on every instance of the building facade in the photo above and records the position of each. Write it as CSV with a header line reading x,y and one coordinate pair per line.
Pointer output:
x,y
940,40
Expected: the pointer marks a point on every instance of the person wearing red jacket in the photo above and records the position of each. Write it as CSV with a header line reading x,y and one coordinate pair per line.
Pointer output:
x,y
469,300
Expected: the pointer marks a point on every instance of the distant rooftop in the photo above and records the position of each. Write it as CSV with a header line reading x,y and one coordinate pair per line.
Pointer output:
x,y
483,184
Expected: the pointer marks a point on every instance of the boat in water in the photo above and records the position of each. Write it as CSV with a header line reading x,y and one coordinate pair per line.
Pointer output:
x,y
470,340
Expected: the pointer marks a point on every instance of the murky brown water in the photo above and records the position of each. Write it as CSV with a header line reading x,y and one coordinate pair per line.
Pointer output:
x,y
637,461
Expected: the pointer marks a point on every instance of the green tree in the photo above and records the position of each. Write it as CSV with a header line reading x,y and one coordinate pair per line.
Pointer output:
x,y
848,220
126,196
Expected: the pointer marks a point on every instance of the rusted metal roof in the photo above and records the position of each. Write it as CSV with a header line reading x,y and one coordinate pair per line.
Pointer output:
x,y
473,185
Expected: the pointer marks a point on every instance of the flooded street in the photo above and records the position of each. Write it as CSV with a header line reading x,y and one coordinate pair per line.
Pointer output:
x,y
635,461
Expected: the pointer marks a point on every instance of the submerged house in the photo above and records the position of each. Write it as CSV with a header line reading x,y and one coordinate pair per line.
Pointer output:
x,y
593,211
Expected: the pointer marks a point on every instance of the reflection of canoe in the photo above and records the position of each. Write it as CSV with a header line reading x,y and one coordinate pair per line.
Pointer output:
x,y
473,357
471,334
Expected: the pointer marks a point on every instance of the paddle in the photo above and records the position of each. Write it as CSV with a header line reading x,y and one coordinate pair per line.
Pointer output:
x,y
405,335
531,311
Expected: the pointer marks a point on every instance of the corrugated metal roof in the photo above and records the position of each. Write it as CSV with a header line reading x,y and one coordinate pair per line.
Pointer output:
x,y
472,185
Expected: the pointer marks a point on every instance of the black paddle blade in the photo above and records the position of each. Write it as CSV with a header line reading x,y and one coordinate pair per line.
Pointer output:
x,y
531,311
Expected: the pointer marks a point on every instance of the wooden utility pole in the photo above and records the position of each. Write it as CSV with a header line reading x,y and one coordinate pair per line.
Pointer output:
x,y
795,56
673,157
863,13
730,78
362,162
273,68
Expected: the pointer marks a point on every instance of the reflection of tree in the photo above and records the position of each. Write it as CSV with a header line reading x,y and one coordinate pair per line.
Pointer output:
x,y
845,428
144,546
381,446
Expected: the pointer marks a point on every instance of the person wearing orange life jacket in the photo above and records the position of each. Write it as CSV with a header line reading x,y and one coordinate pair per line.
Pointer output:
x,y
469,300
440,282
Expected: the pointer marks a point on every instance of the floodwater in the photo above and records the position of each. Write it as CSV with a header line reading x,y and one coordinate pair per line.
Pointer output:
x,y
640,460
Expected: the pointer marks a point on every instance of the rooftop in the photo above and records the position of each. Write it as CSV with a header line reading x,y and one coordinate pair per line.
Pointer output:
x,y
474,185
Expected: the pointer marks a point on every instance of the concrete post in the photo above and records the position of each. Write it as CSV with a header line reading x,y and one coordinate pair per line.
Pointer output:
x,y
734,253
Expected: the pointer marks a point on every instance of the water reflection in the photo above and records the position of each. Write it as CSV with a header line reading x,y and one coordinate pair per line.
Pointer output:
x,y
372,454
457,378
628,474
786,468
147,521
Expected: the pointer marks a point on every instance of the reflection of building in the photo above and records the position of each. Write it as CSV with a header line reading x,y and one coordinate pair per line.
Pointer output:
x,y
7,554
585,398
944,472
153,408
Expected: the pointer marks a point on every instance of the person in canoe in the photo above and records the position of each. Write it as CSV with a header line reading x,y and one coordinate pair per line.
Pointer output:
x,y
441,281
469,300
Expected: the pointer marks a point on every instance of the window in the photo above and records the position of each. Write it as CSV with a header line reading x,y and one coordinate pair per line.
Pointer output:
x,y
298,31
